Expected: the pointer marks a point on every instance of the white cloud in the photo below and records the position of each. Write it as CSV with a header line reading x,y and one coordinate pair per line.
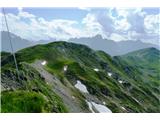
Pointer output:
x,y
85,8
116,24
130,24
122,12
144,37
122,24
91,26
117,37
119,18
30,27
133,35
23,14
140,12
20,9
126,19
152,23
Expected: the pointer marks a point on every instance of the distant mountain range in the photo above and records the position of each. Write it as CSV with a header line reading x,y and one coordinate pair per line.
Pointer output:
x,y
18,42
97,43
111,47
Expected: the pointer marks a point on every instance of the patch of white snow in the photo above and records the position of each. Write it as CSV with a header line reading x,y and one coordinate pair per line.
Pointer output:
x,y
43,63
65,68
104,103
95,69
123,108
120,81
109,74
73,97
90,106
81,87
101,108
135,99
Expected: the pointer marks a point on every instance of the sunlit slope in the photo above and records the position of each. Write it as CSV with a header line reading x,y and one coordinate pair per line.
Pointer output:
x,y
117,82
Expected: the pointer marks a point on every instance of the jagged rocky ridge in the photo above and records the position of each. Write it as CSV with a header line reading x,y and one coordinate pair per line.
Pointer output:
x,y
68,77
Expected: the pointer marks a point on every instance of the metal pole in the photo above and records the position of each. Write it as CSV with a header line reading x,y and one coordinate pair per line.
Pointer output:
x,y
14,57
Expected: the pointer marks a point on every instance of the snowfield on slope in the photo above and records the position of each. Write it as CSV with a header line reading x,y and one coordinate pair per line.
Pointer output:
x,y
81,87
90,106
100,108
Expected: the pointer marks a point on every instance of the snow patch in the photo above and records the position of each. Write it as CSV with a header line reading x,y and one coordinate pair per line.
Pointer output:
x,y
100,108
104,103
43,63
109,74
95,69
120,81
73,97
81,87
90,106
123,108
135,99
65,68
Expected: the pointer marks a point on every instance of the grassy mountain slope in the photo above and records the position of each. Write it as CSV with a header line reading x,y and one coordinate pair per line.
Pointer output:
x,y
30,82
123,91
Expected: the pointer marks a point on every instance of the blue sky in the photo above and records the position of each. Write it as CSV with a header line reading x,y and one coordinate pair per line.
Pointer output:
x,y
118,24
53,13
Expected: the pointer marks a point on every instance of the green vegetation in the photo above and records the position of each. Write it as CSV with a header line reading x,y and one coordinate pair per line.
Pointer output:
x,y
23,101
55,102
138,72
31,82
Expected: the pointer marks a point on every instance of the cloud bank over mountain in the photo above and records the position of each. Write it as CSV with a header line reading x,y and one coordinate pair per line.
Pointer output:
x,y
118,24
